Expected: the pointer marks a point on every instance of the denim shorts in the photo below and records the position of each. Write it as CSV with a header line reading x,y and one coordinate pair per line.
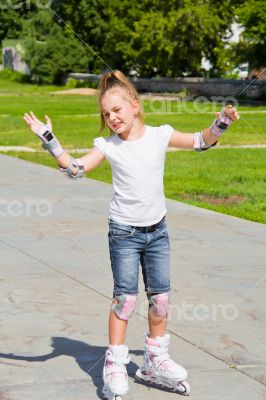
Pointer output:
x,y
129,248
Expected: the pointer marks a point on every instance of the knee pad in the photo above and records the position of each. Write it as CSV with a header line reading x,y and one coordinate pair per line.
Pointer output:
x,y
158,304
124,305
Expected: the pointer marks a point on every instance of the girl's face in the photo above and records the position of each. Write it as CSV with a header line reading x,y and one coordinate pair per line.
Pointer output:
x,y
118,110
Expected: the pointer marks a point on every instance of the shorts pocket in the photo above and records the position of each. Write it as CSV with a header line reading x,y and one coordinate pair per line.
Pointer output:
x,y
120,231
163,230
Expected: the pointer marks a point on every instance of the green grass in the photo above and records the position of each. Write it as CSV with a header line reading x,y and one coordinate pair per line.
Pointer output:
x,y
76,123
22,89
230,181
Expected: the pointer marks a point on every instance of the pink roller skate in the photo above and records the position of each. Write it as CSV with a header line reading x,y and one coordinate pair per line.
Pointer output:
x,y
115,376
159,369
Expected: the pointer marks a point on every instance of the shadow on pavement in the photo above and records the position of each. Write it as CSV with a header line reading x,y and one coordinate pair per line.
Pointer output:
x,y
89,358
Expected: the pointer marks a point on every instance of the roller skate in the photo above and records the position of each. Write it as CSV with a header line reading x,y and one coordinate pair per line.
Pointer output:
x,y
115,376
159,369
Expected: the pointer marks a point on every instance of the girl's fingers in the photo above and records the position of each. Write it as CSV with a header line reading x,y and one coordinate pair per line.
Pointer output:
x,y
231,112
33,117
227,110
48,122
27,119
27,116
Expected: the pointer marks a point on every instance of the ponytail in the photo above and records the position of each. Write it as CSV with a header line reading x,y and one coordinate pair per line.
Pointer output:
x,y
116,79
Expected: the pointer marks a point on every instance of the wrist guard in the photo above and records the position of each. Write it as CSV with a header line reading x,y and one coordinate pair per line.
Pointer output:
x,y
220,125
199,143
74,163
50,142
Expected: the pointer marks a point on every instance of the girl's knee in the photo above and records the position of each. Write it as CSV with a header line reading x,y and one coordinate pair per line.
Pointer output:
x,y
159,304
123,305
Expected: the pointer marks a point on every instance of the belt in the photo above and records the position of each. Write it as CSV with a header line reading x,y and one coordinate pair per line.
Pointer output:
x,y
150,228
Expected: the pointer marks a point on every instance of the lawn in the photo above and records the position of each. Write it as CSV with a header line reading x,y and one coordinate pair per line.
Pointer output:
x,y
229,180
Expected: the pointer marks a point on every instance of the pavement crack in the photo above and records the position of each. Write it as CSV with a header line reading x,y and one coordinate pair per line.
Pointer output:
x,y
54,269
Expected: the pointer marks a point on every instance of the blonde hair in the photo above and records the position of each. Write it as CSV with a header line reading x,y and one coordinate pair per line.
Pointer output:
x,y
116,79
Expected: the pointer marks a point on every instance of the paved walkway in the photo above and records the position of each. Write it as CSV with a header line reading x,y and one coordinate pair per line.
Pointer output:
x,y
56,287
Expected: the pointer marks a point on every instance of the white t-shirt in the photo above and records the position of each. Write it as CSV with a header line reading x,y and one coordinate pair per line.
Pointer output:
x,y
137,169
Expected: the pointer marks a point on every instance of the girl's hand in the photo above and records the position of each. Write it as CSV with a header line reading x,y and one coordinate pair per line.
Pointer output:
x,y
223,120
38,127
44,132
230,112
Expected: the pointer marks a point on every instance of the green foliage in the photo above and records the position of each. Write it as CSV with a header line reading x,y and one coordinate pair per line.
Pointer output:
x,y
75,83
13,13
153,36
11,21
252,48
13,76
51,52
166,42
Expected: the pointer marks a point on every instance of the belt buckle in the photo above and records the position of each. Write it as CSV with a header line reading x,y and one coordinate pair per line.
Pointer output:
x,y
146,229
150,228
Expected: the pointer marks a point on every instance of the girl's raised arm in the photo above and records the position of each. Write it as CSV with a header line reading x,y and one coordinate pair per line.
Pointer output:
x,y
73,168
207,138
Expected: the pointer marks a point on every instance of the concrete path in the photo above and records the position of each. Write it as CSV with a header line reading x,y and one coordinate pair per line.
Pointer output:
x,y
56,287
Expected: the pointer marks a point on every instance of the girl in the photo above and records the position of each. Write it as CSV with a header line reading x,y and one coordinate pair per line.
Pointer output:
x,y
137,227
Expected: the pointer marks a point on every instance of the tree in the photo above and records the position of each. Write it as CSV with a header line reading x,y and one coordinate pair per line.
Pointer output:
x,y
52,51
156,37
153,35
252,47
105,26
11,20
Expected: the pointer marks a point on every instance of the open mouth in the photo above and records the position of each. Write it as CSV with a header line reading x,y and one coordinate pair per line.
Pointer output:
x,y
117,126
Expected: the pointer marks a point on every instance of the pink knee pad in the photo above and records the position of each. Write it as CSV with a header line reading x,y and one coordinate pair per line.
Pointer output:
x,y
124,305
159,303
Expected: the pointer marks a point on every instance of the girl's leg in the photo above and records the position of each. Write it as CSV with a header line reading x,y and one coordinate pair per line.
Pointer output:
x,y
124,255
125,251
157,325
122,309
117,329
155,262
158,313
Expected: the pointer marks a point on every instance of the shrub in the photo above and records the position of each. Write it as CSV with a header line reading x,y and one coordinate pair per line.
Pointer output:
x,y
14,76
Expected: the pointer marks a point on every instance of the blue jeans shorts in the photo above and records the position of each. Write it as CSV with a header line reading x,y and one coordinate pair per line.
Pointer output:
x,y
129,248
